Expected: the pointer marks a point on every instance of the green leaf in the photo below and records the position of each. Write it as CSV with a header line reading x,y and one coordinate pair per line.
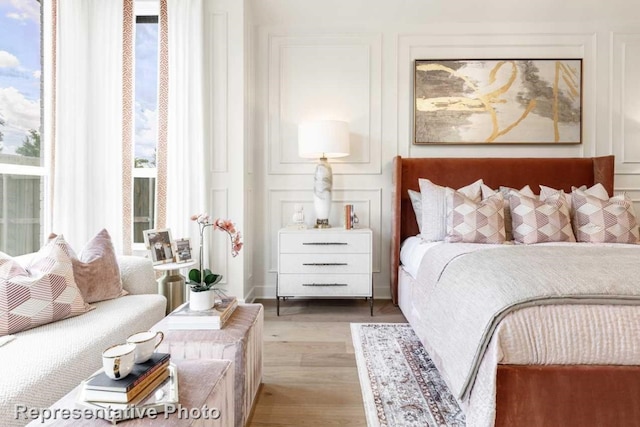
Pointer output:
x,y
211,279
194,275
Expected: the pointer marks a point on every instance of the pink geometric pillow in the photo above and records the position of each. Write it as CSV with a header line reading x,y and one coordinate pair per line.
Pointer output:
x,y
43,292
604,221
469,221
536,221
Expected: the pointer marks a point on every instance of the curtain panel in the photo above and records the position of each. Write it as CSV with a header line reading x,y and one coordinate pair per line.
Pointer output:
x,y
93,120
185,112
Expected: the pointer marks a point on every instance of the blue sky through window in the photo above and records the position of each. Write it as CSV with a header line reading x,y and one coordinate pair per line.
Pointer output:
x,y
20,70
146,97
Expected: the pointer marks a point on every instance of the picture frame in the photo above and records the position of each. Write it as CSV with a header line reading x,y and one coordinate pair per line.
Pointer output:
x,y
158,242
182,250
497,101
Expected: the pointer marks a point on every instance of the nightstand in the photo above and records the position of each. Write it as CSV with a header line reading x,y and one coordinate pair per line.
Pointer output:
x,y
334,263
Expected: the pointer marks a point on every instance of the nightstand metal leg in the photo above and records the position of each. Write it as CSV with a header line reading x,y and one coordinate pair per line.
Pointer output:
x,y
371,299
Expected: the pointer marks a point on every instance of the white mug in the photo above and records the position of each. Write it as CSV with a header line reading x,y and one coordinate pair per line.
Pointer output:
x,y
146,343
117,360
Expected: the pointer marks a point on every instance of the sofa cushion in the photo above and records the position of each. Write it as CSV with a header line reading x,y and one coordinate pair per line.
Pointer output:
x,y
42,292
43,364
96,269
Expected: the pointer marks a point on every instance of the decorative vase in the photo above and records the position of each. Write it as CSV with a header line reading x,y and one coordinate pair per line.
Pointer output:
x,y
200,301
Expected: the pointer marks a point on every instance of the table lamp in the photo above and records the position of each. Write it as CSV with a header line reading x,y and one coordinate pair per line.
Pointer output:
x,y
321,140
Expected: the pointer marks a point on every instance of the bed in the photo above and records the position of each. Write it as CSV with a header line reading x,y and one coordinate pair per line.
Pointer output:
x,y
525,394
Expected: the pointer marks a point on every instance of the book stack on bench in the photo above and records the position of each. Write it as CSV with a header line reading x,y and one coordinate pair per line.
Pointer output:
x,y
135,387
214,318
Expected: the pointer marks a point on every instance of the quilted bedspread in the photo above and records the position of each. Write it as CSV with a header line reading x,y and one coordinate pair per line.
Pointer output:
x,y
469,292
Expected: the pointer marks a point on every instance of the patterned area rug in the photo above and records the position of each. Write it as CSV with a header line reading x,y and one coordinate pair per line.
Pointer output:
x,y
400,384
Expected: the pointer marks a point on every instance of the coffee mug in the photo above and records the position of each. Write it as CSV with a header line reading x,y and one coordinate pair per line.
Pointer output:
x,y
117,360
146,343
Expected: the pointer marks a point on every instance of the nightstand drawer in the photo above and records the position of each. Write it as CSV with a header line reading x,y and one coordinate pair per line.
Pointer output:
x,y
325,242
320,285
324,263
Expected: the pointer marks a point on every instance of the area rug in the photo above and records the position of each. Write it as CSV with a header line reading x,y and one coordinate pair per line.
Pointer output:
x,y
400,384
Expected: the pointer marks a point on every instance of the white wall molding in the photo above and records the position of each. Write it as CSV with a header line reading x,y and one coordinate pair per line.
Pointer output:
x,y
325,76
625,100
217,23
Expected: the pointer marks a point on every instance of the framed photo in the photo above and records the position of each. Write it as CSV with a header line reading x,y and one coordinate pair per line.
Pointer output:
x,y
182,249
498,101
159,244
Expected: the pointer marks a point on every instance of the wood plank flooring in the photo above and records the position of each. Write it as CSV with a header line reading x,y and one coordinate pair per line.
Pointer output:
x,y
310,376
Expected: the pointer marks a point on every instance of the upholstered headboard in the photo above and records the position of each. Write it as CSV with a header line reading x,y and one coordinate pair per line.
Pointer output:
x,y
560,173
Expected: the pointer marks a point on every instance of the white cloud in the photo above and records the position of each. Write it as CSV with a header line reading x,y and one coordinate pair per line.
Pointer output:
x,y
37,74
27,10
146,132
19,112
8,60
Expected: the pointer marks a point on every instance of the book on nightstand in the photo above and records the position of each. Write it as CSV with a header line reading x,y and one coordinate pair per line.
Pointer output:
x,y
214,318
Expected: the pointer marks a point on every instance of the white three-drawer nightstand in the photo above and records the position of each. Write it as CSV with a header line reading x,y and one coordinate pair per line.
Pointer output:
x,y
332,262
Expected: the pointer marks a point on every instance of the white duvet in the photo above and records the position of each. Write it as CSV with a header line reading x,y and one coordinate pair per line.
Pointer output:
x,y
552,334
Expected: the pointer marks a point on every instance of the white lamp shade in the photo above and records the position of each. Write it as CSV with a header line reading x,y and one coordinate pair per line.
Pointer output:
x,y
323,138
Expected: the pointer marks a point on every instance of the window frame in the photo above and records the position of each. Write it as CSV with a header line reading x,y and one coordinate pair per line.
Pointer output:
x,y
145,12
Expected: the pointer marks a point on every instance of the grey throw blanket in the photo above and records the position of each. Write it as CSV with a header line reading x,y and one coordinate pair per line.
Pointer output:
x,y
477,289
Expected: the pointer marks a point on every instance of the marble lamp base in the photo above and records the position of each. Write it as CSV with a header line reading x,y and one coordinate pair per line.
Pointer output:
x,y
323,181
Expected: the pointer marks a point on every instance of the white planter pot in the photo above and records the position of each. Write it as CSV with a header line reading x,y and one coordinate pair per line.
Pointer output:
x,y
200,301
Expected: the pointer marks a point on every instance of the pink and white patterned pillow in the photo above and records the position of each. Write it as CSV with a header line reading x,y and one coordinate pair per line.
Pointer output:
x,y
537,221
470,221
604,221
42,292
434,207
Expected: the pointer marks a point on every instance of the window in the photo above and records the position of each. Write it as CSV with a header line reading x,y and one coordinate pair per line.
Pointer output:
x,y
146,129
22,175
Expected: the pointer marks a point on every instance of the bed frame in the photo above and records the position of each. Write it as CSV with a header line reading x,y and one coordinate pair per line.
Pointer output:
x,y
528,395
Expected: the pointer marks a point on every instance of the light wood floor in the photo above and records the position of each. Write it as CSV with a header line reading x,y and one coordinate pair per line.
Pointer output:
x,y
310,376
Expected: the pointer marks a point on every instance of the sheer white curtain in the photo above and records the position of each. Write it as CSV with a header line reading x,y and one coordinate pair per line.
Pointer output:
x,y
186,130
87,192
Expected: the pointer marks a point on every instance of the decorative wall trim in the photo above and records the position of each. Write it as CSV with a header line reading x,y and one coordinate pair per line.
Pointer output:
x,y
217,24
280,89
625,94
128,42
163,117
219,249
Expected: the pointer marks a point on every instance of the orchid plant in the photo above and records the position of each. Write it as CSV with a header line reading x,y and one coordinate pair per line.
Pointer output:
x,y
202,279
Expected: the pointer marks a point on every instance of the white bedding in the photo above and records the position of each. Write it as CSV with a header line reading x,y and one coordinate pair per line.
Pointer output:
x,y
598,334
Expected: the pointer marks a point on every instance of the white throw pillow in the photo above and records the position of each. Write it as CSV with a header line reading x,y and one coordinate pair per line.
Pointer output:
x,y
434,207
416,202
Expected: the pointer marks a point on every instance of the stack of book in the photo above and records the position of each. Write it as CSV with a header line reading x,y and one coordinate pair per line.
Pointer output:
x,y
133,388
214,318
149,389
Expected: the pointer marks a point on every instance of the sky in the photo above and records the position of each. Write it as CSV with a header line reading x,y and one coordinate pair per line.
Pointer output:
x,y
20,70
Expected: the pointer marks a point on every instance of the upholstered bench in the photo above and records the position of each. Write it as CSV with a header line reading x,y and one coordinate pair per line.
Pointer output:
x,y
240,340
206,398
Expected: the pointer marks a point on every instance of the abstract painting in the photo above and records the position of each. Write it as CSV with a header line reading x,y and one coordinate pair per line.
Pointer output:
x,y
492,101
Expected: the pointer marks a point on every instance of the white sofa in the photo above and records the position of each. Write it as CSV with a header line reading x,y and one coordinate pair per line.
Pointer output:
x,y
43,364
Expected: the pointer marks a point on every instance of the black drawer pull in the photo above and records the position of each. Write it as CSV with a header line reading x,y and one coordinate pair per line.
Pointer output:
x,y
324,243
324,264
325,284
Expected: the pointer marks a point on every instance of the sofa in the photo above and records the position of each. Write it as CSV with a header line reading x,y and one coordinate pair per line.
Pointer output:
x,y
42,364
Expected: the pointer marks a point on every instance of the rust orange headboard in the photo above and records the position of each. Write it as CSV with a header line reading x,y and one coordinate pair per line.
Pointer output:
x,y
560,173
